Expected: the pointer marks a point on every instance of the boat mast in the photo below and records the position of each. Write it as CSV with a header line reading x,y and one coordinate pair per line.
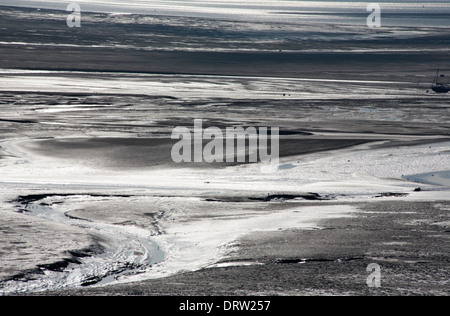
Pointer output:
x,y
437,76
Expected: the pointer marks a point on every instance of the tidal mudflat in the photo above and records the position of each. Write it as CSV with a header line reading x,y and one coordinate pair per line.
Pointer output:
x,y
93,204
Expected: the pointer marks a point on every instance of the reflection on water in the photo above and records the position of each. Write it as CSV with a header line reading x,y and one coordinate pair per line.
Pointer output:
x,y
437,177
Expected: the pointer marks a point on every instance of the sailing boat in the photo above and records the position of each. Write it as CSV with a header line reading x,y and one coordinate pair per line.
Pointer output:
x,y
439,84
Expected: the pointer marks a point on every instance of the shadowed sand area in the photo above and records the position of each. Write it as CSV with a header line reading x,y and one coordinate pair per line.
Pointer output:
x,y
131,153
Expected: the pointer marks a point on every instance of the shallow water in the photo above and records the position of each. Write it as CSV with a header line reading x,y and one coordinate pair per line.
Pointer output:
x,y
436,177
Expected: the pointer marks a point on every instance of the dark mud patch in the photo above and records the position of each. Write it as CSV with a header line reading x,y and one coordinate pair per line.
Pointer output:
x,y
271,198
391,194
19,121
287,197
32,198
